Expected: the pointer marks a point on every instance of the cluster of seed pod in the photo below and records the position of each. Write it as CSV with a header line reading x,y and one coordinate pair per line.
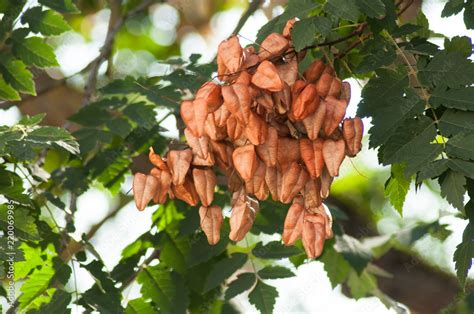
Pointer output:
x,y
269,131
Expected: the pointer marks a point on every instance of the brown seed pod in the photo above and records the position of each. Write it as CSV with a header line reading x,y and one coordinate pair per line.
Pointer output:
x,y
221,115
194,114
326,181
314,122
293,181
156,160
242,218
237,100
213,131
282,99
335,112
243,78
288,71
256,185
236,131
323,85
353,130
205,183
211,222
333,154
223,154
305,103
199,145
268,151
297,88
266,77
313,234
265,99
256,130
335,88
293,226
250,58
209,161
273,180
288,152
144,188
186,192
314,71
179,162
312,193
288,27
229,54
211,93
312,156
245,161
164,179
346,91
274,45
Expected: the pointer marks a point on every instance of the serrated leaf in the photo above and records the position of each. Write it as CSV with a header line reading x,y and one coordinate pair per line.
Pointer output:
x,y
58,303
461,146
25,224
372,8
33,51
46,22
463,256
175,252
275,272
223,269
453,188
7,92
244,282
142,114
274,250
453,122
353,251
452,7
304,32
462,99
263,297
344,9
336,267
361,285
139,306
397,187
36,284
63,6
469,15
462,166
432,170
16,74
460,44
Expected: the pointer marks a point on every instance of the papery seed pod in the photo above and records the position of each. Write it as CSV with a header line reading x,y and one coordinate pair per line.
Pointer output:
x,y
323,85
156,160
312,193
221,115
346,91
211,222
265,100
297,88
335,112
256,185
236,131
250,58
164,179
237,100
243,78
179,162
256,130
204,162
282,129
314,71
288,152
268,151
194,114
294,180
245,161
305,104
212,130
288,27
293,226
353,130
234,182
199,145
241,219
288,71
282,99
211,93
186,191
335,88
315,121
230,52
313,235
205,183
273,180
333,154
326,181
266,77
144,188
312,156
328,218
274,45
223,154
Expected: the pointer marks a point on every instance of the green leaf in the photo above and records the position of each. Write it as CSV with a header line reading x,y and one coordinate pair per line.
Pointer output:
x,y
453,188
463,256
462,99
304,32
361,285
275,272
461,146
453,122
344,9
432,170
263,297
33,50
462,166
244,282
63,6
353,251
16,74
11,186
54,136
142,114
336,267
372,8
461,44
139,306
36,284
91,116
25,224
274,250
175,252
397,187
452,7
165,288
58,303
46,22
33,120
223,269
7,92
469,15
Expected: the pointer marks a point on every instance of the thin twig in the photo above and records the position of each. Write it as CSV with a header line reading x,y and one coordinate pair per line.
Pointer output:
x,y
253,6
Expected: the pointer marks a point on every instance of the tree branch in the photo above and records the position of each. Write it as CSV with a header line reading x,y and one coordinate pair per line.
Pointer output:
x,y
253,6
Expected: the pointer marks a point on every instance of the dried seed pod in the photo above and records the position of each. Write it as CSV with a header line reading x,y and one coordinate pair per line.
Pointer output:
x,y
346,91
305,104
211,93
265,99
164,179
156,160
333,154
212,130
256,130
230,54
144,188
288,27
236,131
221,115
186,191
353,130
315,121
179,162
199,145
314,71
293,226
323,85
234,182
294,180
257,185
288,71
326,181
209,161
273,180
312,193
266,77
250,58
335,112
297,88
283,99
268,151
245,161
313,235
223,154
211,222
242,218
328,218
205,183
194,114
274,45
335,88
312,156
288,152
237,100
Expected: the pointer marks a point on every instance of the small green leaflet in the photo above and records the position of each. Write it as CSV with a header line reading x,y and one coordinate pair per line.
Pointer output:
x,y
36,284
453,122
462,99
274,250
344,9
139,306
7,92
275,272
33,50
353,251
461,44
336,267
175,251
243,283
16,74
46,22
263,297
453,188
462,166
464,253
452,7
397,187
361,284
63,6
461,146
304,32
432,170
372,8
25,224
223,270
58,303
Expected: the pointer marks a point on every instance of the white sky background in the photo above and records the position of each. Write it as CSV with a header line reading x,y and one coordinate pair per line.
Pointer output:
x,y
308,292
